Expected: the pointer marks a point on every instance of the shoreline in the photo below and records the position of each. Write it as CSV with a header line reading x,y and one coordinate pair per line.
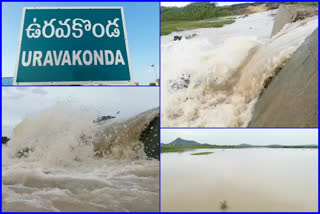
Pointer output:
x,y
172,148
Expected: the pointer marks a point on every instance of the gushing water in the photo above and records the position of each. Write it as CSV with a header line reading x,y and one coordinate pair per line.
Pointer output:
x,y
60,160
216,78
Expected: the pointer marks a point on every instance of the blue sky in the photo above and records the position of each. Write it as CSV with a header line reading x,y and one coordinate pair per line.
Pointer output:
x,y
142,21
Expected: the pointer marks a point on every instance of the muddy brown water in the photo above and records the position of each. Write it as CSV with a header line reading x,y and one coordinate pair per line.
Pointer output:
x,y
247,179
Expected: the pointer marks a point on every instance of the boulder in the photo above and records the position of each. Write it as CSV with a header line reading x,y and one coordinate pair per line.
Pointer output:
x,y
191,36
103,118
5,140
177,38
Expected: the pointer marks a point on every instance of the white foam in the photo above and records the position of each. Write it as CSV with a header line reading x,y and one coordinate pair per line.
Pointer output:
x,y
225,76
62,171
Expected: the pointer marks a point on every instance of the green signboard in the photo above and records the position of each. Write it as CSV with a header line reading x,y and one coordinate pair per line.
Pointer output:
x,y
63,46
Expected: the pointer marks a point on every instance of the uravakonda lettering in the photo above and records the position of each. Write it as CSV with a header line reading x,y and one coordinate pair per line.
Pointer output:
x,y
62,58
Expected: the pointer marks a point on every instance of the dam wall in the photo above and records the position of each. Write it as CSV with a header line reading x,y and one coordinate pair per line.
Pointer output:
x,y
291,99
291,13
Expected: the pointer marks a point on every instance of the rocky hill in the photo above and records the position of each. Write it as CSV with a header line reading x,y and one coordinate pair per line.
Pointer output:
x,y
182,142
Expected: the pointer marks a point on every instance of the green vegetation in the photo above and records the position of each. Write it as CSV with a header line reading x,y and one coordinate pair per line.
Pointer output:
x,y
292,147
202,153
165,149
179,148
207,15
168,27
223,205
191,12
199,15
303,3
170,148
202,10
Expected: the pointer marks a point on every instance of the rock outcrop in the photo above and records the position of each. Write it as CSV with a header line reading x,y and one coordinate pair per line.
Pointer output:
x,y
182,142
103,118
291,99
177,38
5,140
291,13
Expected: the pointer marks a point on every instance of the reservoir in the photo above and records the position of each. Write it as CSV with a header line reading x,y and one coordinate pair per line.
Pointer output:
x,y
254,179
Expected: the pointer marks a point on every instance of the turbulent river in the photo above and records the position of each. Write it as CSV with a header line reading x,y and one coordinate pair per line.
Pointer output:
x,y
59,160
215,78
247,179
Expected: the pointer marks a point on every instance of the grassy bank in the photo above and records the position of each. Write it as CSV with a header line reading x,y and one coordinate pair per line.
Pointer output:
x,y
168,27
303,3
203,10
208,15
202,153
199,15
171,148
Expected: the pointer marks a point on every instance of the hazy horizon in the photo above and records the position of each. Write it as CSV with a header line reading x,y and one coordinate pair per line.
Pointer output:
x,y
243,136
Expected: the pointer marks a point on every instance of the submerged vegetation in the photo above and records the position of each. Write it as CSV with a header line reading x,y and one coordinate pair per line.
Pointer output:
x,y
202,153
223,205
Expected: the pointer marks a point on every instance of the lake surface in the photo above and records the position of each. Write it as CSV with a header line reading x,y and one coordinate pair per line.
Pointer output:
x,y
247,179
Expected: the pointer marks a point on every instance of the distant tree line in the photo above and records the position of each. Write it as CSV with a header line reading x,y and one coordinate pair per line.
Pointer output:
x,y
200,11
206,10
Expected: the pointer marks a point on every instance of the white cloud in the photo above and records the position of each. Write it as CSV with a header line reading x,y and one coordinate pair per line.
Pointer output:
x,y
17,103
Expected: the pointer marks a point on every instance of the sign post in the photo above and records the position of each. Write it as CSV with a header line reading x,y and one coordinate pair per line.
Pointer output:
x,y
66,46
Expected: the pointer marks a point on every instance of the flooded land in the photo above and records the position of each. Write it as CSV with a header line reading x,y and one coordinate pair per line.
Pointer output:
x,y
248,179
